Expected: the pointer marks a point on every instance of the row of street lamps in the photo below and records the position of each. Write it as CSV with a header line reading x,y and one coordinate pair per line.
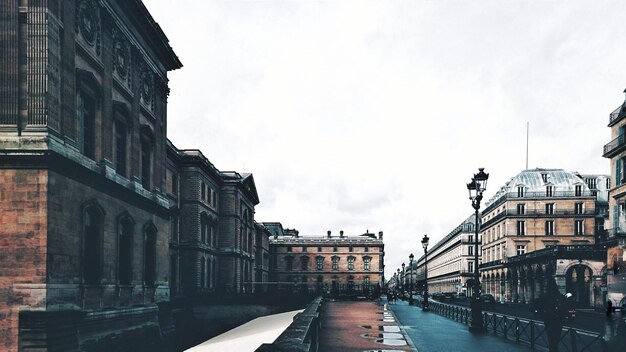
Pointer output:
x,y
476,188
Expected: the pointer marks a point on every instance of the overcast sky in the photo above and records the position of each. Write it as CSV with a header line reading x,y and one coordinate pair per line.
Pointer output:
x,y
375,114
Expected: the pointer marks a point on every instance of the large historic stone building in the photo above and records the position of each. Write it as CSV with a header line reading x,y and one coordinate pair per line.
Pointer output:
x,y
333,264
450,262
540,225
85,220
615,150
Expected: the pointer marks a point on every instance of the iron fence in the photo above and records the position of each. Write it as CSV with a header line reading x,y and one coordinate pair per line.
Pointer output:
x,y
525,331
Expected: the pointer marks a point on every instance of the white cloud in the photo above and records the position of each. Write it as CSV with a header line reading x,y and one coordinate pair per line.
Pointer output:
x,y
374,114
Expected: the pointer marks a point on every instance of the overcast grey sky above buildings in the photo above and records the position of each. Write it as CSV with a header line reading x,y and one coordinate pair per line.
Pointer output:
x,y
356,115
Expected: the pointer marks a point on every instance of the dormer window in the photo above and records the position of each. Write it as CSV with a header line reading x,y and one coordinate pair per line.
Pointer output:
x,y
544,177
520,191
549,191
578,190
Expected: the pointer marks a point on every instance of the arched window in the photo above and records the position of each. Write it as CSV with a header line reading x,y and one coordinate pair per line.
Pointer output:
x,y
93,220
125,252
149,258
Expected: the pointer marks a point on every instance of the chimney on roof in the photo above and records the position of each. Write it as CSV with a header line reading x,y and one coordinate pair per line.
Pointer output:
x,y
341,234
380,235
328,233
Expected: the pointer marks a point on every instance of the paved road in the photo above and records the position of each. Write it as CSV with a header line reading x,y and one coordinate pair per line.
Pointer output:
x,y
431,332
349,326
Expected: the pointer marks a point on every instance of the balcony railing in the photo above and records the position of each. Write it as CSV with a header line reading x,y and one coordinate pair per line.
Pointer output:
x,y
616,115
614,146
538,213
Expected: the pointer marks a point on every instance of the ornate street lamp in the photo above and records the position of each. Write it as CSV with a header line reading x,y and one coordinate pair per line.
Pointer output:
x,y
476,189
403,280
411,279
425,245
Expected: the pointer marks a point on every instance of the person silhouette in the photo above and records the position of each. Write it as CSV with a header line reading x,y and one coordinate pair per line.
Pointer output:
x,y
553,311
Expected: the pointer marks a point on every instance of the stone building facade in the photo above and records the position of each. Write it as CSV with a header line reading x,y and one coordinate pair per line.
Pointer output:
x,y
450,262
615,151
333,264
541,225
85,218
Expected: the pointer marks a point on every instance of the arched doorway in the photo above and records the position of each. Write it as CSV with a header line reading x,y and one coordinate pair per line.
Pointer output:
x,y
578,283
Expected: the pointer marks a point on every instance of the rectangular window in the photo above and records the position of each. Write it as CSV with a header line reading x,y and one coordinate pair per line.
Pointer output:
x,y
470,238
521,209
120,148
470,267
288,263
350,263
288,248
550,228
549,191
319,249
521,249
520,191
335,263
335,249
87,116
146,151
304,249
608,183
367,249
174,184
521,228
578,228
366,263
578,208
203,192
470,250
550,208
304,263
578,190
320,263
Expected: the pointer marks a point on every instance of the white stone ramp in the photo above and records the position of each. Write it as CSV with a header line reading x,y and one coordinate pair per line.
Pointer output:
x,y
249,336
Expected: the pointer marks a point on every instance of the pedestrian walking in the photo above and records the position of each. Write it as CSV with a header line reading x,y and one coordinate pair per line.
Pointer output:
x,y
609,308
553,308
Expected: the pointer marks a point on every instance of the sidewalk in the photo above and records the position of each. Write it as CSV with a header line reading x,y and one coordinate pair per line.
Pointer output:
x,y
360,326
431,332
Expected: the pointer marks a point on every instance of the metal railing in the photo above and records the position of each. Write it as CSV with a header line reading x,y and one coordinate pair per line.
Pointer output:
x,y
616,114
525,331
614,144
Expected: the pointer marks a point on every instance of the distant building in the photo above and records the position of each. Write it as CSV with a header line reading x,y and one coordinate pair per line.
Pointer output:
x,y
615,150
85,220
333,264
450,261
542,225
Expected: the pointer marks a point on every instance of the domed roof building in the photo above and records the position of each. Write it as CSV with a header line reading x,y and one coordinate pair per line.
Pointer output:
x,y
542,224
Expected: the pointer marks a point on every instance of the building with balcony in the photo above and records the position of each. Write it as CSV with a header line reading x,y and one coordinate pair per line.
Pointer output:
x,y
331,264
540,225
451,261
615,241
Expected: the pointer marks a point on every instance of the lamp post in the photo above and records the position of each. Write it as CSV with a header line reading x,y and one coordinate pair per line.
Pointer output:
x,y
399,287
425,245
403,280
476,189
411,279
